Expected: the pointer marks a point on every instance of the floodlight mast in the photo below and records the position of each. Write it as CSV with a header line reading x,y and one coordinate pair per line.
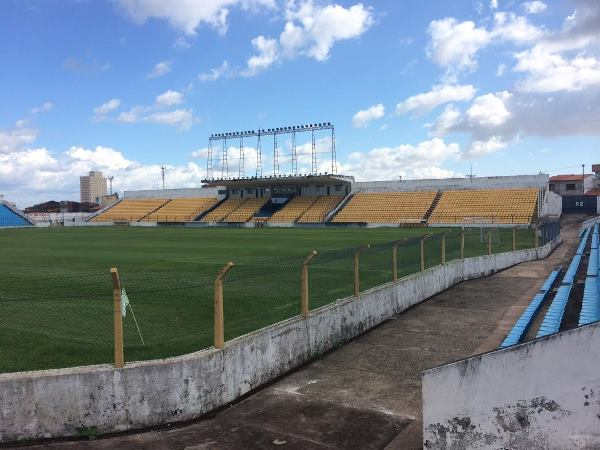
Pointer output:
x,y
209,160
258,158
224,162
241,172
269,132
294,154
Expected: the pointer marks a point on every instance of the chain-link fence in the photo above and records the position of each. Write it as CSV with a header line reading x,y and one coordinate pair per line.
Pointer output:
x,y
55,320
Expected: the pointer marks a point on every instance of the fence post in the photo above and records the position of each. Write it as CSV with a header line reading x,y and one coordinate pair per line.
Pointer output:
x,y
395,258
358,252
514,230
489,242
304,307
118,319
219,315
422,245
462,244
444,247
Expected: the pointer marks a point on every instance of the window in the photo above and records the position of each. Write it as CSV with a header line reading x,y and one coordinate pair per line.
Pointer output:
x,y
552,187
338,187
571,187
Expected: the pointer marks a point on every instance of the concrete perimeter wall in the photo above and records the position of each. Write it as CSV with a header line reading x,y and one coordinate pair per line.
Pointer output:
x,y
448,184
57,402
175,193
544,394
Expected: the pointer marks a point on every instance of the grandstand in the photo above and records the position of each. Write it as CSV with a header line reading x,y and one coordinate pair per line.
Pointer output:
x,y
130,210
339,200
387,207
12,217
293,209
245,211
317,212
181,209
498,206
223,210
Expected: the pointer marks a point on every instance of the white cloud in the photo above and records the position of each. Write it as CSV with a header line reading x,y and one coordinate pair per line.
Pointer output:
x,y
512,28
363,117
482,148
489,110
131,116
214,74
46,106
268,53
454,43
439,94
182,119
448,119
550,72
16,137
160,69
565,63
169,98
493,4
310,30
495,120
187,15
534,7
106,108
33,175
409,161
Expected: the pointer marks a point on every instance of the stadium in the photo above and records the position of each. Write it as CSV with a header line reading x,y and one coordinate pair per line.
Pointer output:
x,y
234,284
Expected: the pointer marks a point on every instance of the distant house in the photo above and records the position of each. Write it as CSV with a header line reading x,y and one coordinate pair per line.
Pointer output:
x,y
571,185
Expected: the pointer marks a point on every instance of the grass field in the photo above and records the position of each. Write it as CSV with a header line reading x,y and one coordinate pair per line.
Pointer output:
x,y
56,294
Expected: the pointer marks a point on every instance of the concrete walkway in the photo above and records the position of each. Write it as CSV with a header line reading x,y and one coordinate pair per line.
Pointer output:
x,y
366,394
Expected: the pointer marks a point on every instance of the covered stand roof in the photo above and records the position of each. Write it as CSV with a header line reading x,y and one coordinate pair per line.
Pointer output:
x,y
253,182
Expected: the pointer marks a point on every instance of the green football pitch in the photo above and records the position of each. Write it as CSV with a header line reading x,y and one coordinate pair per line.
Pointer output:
x,y
56,304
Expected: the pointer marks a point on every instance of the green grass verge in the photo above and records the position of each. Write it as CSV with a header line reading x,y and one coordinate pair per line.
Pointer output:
x,y
56,294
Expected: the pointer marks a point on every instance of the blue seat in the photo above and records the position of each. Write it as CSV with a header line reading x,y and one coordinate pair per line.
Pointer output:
x,y
590,306
520,328
554,315
10,218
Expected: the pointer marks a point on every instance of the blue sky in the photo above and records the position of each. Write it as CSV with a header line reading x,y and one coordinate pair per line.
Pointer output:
x,y
414,88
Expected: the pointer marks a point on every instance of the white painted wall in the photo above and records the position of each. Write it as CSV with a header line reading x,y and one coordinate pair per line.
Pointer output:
x,y
517,181
552,206
54,403
174,193
39,219
544,394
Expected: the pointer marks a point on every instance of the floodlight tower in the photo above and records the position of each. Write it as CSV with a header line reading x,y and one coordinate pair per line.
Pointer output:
x,y
275,156
241,172
162,174
258,157
110,179
294,154
313,153
224,163
209,160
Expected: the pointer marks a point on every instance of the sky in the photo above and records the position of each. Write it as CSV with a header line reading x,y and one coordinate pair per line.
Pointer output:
x,y
415,88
